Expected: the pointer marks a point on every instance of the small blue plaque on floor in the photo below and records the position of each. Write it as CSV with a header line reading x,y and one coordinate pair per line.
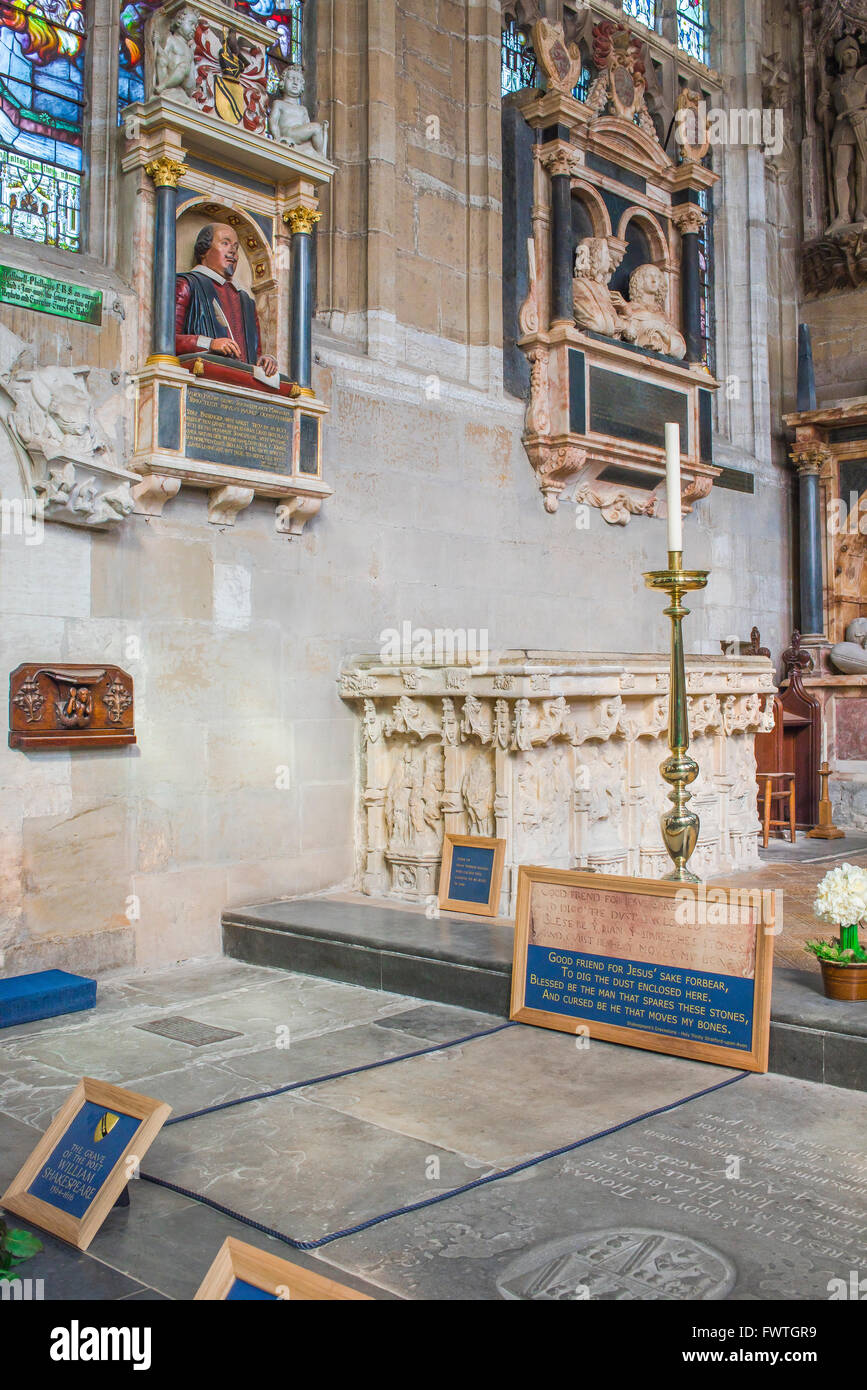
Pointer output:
x,y
44,994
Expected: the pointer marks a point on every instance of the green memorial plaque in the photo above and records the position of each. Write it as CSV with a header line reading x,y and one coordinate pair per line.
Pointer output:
x,y
28,291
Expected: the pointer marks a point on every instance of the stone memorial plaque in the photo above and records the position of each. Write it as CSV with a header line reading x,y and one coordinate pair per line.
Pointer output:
x,y
238,431
628,408
471,874
25,290
671,967
83,1162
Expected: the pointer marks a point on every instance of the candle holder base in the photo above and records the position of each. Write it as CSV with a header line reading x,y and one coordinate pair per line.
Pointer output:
x,y
826,829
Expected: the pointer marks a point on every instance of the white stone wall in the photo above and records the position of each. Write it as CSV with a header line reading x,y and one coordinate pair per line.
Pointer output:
x,y
235,636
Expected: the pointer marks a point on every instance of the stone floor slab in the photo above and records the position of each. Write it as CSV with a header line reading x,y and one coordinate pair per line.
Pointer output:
x,y
516,1094
655,1211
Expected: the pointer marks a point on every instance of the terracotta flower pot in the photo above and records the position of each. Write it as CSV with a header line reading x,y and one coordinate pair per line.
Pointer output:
x,y
844,981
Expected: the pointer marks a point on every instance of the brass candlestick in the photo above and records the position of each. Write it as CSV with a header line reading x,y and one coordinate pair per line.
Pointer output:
x,y
680,826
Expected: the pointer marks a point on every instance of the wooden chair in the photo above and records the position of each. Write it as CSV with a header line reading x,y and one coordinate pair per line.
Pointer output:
x,y
768,794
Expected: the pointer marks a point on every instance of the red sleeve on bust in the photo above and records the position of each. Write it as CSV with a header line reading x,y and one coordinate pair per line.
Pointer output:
x,y
184,342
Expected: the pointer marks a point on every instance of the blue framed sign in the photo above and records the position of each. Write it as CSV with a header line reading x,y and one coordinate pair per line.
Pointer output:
x,y
670,967
242,1274
471,874
83,1162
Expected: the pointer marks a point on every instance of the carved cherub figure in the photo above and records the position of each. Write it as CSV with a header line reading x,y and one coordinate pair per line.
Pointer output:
x,y
174,64
645,321
289,121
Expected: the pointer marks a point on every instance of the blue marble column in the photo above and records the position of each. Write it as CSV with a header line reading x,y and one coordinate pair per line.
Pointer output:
x,y
301,221
808,458
166,174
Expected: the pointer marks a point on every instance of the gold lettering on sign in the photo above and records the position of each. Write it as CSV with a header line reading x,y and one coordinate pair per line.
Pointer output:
x,y
632,926
249,434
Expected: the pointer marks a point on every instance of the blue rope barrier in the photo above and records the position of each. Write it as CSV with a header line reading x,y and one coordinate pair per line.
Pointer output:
x,y
440,1196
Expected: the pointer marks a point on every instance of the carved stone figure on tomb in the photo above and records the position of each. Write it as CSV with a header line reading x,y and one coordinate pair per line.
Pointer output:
x,y
842,108
211,313
174,58
289,121
477,791
645,321
606,785
595,306
55,419
851,656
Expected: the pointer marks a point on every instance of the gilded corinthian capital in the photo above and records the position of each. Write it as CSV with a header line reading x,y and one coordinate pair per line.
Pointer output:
x,y
301,219
809,456
165,171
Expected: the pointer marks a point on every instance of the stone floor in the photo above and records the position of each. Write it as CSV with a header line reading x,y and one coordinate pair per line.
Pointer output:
x,y
796,870
754,1191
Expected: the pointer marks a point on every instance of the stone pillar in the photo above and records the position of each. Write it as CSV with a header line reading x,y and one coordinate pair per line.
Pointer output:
x,y
561,163
808,458
689,220
300,221
166,174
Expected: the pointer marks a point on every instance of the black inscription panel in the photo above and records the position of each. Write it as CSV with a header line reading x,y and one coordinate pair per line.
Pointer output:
x,y
239,432
627,408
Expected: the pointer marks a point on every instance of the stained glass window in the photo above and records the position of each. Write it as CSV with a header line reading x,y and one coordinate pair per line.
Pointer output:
x,y
283,16
519,68
706,271
41,104
692,28
518,62
642,10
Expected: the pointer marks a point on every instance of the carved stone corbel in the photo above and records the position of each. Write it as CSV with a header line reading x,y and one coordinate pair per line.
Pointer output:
x,y
554,465
293,515
224,503
153,492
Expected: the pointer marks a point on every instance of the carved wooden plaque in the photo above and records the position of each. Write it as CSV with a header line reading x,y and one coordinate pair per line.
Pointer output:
x,y
70,706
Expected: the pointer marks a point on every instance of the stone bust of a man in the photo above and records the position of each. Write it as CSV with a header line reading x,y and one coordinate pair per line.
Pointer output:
x,y
211,313
592,300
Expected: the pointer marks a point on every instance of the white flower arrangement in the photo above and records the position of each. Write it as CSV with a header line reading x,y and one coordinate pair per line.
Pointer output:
x,y
842,896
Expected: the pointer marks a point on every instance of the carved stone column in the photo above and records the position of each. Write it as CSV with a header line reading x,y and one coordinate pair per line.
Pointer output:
x,y
809,456
689,220
166,174
301,221
561,163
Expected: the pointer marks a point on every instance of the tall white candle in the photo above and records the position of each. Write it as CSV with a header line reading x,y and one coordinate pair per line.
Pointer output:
x,y
672,486
824,742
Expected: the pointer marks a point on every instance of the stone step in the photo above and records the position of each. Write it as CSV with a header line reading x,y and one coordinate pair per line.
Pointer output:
x,y
468,961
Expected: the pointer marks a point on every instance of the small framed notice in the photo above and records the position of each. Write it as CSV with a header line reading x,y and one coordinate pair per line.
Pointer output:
x,y
242,1274
85,1159
471,874
671,967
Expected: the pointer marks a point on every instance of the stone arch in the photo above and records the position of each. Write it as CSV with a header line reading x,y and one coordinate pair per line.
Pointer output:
x,y
594,205
651,229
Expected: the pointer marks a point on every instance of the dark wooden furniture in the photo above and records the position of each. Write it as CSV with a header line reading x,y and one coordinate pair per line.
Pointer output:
x,y
794,744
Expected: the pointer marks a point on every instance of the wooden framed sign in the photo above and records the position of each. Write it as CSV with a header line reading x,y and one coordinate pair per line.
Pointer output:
x,y
241,1274
671,967
471,874
84,1160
